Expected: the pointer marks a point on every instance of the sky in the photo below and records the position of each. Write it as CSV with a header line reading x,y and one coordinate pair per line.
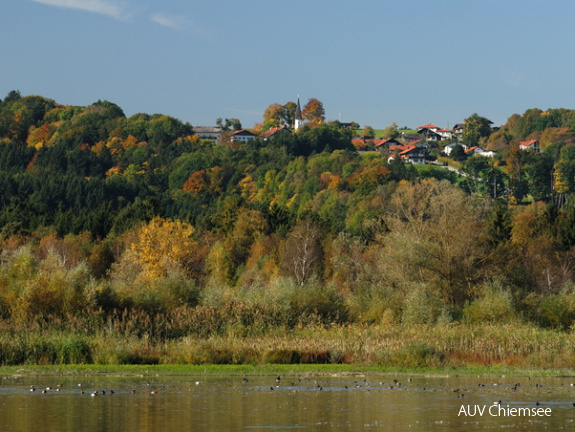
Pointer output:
x,y
375,62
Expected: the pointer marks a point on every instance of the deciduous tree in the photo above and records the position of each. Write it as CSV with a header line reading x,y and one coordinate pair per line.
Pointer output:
x,y
314,112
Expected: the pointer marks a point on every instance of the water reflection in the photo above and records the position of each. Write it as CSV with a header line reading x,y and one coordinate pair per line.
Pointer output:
x,y
253,403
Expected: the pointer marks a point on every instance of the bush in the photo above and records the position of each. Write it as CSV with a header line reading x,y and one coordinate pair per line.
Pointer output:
x,y
423,306
558,310
494,305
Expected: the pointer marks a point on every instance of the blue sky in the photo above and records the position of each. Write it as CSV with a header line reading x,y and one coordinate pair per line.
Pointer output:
x,y
375,62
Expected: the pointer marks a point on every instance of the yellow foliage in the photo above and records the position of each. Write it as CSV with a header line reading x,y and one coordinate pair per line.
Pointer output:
x,y
164,245
249,188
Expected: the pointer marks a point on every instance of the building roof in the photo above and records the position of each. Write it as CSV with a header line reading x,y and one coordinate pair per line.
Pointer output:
x,y
272,131
428,126
528,143
298,110
243,132
207,129
383,141
473,149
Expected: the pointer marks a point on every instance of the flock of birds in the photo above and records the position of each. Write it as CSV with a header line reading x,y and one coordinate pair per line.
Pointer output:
x,y
301,384
94,393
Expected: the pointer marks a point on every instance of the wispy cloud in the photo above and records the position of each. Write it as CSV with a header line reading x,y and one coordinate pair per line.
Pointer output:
x,y
103,7
168,21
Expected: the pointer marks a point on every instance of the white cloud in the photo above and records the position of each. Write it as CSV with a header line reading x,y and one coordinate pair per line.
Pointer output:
x,y
103,7
167,21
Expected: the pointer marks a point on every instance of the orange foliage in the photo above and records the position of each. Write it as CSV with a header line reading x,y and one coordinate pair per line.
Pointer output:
x,y
329,181
196,183
39,137
369,177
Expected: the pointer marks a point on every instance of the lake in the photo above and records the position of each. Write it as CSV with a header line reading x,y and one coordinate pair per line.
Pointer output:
x,y
371,402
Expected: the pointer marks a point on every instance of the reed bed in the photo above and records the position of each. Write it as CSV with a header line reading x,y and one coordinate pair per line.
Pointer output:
x,y
195,336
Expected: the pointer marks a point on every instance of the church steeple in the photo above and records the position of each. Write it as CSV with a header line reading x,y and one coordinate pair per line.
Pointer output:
x,y
298,122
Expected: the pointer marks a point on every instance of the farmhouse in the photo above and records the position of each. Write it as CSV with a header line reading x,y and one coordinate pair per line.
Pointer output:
x,y
530,145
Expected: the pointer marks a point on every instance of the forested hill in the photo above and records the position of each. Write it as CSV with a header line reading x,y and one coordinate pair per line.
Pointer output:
x,y
143,198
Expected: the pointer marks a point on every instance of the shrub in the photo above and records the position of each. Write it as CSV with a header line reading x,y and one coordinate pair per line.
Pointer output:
x,y
423,306
494,305
558,310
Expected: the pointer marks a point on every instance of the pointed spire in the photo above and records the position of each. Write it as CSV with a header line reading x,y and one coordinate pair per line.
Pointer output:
x,y
298,119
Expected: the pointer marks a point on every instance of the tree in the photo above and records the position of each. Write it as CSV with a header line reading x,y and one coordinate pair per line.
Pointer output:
x,y
289,113
458,153
516,172
436,238
163,246
391,131
302,256
229,124
368,132
476,128
273,115
313,112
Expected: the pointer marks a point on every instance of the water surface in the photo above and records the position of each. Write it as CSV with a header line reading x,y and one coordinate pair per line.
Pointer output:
x,y
295,402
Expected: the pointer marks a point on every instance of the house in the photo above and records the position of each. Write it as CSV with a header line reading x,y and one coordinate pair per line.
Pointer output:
x,y
208,132
408,153
429,131
434,133
444,133
530,145
242,136
449,147
429,126
478,151
458,129
380,143
270,133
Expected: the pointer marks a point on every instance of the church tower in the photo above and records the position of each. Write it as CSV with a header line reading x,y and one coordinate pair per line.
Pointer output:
x,y
298,119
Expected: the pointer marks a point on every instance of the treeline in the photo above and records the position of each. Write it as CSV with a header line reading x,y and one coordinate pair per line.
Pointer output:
x,y
104,216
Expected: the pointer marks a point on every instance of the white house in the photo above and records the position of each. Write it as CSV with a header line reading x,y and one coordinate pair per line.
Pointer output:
x,y
530,145
242,136
208,132
478,151
449,147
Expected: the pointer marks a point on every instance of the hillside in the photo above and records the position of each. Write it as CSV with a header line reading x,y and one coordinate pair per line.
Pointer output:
x,y
104,216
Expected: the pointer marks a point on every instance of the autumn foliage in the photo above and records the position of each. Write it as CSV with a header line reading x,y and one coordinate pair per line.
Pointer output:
x,y
138,226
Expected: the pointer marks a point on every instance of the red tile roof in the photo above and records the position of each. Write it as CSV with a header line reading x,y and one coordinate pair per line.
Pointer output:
x,y
428,126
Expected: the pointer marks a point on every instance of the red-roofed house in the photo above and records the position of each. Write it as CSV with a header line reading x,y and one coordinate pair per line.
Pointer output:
x,y
408,153
273,131
242,136
530,145
478,151
429,126
385,141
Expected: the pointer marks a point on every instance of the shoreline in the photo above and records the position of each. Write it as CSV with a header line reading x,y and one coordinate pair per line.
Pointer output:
x,y
272,369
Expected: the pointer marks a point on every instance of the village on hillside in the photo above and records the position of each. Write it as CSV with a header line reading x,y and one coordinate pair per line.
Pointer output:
x,y
413,147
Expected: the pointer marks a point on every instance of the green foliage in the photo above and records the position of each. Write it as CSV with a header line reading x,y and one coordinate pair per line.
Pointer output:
x,y
558,310
296,232
493,305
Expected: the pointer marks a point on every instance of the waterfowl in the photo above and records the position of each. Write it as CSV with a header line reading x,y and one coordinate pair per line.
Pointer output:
x,y
497,402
